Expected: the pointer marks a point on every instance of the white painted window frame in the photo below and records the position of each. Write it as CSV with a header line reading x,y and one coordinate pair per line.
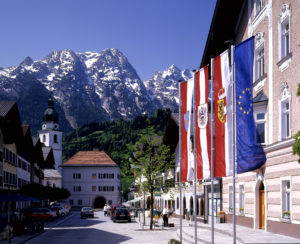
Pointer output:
x,y
256,66
285,98
284,19
259,110
282,180
256,13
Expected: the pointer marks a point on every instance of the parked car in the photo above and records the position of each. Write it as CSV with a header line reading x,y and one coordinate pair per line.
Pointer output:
x,y
41,214
121,214
64,205
87,212
60,211
114,208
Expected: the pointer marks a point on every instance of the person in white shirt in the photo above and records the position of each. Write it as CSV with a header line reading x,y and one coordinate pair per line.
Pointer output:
x,y
165,216
105,210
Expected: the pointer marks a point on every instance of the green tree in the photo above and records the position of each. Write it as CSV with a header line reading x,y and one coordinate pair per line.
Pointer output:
x,y
150,158
296,146
45,192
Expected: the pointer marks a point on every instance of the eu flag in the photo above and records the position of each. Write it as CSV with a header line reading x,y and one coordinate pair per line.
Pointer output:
x,y
250,154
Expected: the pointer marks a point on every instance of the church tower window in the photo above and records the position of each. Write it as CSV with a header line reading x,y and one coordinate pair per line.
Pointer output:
x,y
55,139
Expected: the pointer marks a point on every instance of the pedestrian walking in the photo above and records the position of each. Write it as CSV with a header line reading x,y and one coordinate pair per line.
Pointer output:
x,y
165,214
105,210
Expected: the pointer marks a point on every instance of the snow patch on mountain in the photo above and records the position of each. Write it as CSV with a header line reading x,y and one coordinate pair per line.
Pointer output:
x,y
164,86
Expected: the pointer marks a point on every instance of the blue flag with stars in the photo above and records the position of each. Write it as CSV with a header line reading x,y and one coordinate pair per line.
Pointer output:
x,y
250,154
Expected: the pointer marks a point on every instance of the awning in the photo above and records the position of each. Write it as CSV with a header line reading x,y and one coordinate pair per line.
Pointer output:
x,y
17,198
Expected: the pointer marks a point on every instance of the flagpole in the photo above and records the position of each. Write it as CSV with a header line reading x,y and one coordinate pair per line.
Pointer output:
x,y
195,160
212,149
180,188
233,130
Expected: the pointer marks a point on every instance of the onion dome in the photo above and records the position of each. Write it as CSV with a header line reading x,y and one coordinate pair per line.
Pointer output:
x,y
50,114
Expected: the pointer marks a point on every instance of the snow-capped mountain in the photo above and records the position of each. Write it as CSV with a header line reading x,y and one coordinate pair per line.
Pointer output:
x,y
86,87
164,86
122,93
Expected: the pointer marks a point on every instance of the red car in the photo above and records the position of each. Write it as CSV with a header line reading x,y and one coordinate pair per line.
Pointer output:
x,y
41,214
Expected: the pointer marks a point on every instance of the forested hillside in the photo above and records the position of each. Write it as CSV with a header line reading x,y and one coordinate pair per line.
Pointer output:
x,y
116,138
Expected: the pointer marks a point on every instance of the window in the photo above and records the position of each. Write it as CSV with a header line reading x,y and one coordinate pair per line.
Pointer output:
x,y
285,39
284,31
259,62
260,121
100,188
109,202
76,176
259,5
71,201
76,188
177,203
241,199
286,198
285,119
44,138
100,176
55,138
94,176
79,202
93,188
230,199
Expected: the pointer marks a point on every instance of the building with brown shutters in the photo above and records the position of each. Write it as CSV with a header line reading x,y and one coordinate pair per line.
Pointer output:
x,y
92,178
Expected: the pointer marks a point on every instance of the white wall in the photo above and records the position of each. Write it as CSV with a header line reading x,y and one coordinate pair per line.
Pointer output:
x,y
86,182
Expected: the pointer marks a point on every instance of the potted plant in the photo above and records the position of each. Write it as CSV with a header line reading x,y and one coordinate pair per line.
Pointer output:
x,y
241,210
286,214
230,210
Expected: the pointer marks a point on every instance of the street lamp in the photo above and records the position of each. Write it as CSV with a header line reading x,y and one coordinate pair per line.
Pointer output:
x,y
144,206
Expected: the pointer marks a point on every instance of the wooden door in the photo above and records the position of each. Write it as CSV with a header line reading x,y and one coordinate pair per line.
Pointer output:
x,y
262,209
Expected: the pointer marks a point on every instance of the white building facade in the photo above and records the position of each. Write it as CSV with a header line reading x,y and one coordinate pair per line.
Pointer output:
x,y
93,179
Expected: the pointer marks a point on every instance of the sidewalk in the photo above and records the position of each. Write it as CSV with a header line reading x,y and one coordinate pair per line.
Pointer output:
x,y
223,233
19,239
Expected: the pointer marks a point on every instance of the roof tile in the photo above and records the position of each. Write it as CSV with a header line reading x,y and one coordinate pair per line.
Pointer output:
x,y
90,158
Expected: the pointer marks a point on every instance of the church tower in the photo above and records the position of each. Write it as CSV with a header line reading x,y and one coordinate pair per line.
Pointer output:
x,y
50,134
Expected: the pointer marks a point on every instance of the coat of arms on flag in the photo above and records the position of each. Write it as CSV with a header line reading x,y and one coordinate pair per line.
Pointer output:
x,y
222,105
186,120
202,116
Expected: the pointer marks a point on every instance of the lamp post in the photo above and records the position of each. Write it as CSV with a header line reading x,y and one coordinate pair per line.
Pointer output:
x,y
144,207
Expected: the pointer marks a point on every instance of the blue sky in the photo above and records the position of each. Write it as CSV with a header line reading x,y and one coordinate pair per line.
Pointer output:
x,y
152,34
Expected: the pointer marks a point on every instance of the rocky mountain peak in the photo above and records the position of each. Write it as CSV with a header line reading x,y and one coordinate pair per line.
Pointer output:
x,y
27,61
88,87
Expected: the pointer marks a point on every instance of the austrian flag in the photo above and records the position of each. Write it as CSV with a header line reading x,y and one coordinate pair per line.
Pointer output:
x,y
223,163
203,139
187,159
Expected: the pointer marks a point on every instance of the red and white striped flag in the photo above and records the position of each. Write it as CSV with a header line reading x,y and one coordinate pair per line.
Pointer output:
x,y
203,139
223,160
187,159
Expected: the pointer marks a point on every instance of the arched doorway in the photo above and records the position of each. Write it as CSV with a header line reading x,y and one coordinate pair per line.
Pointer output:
x,y
99,202
191,204
184,205
261,204
201,207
